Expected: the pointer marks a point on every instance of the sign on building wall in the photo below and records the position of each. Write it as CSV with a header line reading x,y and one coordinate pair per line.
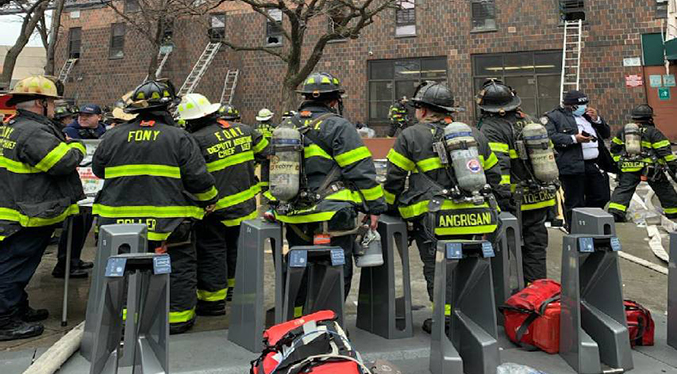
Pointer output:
x,y
633,80
669,80
655,81
632,61
664,94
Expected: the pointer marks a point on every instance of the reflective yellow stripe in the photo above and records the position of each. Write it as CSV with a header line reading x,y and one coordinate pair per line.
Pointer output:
x,y
230,161
505,179
646,144
298,311
158,236
617,158
237,221
371,194
447,309
206,196
669,157
240,197
308,218
141,211
499,147
430,164
205,295
54,156
78,146
353,156
670,210
513,154
421,207
346,195
616,140
231,282
661,144
314,150
2,238
261,145
7,214
136,170
178,317
542,204
618,207
485,229
17,167
390,198
490,162
400,161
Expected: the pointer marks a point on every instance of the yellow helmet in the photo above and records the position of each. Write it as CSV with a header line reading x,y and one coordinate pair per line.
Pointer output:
x,y
37,85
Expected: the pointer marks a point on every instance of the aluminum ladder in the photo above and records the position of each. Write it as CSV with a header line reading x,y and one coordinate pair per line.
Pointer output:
x,y
200,68
164,57
229,86
66,69
571,57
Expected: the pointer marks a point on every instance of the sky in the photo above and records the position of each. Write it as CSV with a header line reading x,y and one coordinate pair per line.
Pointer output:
x,y
11,27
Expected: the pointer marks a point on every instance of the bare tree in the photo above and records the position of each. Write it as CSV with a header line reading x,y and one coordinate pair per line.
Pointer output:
x,y
152,18
348,17
51,37
33,13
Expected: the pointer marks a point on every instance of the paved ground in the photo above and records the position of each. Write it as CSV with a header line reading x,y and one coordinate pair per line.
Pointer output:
x,y
641,284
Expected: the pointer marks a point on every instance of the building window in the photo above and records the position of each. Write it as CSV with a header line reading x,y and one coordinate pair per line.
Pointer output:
x,y
117,41
331,28
571,10
661,8
274,29
132,6
217,26
168,31
389,80
405,18
74,42
534,75
483,15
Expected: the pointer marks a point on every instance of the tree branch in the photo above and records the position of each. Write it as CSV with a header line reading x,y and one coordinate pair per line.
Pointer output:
x,y
272,51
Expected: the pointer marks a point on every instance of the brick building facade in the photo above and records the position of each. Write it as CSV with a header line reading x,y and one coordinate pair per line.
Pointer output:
x,y
460,41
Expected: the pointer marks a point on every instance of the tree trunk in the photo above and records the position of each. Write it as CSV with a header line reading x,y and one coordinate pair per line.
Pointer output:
x,y
54,37
27,28
154,62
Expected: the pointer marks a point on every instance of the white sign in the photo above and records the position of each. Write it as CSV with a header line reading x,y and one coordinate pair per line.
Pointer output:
x,y
632,61
91,184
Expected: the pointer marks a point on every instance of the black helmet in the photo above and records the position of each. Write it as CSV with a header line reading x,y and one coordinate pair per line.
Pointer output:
x,y
642,112
229,112
436,96
496,97
152,95
321,84
61,112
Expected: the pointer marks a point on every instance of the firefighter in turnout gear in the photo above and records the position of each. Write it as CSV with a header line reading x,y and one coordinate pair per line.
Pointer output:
x,y
40,189
399,116
643,153
338,172
416,155
155,175
229,149
502,122
265,126
229,113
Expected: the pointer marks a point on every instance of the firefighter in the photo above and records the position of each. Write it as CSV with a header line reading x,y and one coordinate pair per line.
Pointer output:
x,y
229,149
155,175
265,127
40,189
501,122
63,113
399,116
337,160
651,156
229,113
414,157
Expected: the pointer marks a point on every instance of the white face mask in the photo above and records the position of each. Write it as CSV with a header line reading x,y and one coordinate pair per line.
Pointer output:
x,y
580,110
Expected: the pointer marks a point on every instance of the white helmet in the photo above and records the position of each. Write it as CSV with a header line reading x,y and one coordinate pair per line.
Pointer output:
x,y
194,106
264,115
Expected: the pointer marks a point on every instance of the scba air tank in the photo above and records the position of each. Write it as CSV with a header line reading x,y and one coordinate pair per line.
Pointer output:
x,y
541,154
285,164
462,148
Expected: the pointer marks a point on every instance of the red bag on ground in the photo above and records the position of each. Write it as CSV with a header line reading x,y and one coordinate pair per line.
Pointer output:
x,y
640,324
306,345
532,316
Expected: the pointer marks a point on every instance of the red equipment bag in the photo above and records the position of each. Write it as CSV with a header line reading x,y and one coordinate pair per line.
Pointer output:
x,y
311,344
640,324
532,316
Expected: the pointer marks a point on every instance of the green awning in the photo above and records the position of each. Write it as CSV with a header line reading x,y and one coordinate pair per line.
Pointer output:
x,y
671,49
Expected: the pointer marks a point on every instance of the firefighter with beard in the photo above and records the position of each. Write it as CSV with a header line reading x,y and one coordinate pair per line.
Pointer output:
x,y
420,155
155,175
502,122
230,149
338,171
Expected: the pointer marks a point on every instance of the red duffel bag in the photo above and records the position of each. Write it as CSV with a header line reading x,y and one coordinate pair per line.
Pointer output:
x,y
532,316
640,324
